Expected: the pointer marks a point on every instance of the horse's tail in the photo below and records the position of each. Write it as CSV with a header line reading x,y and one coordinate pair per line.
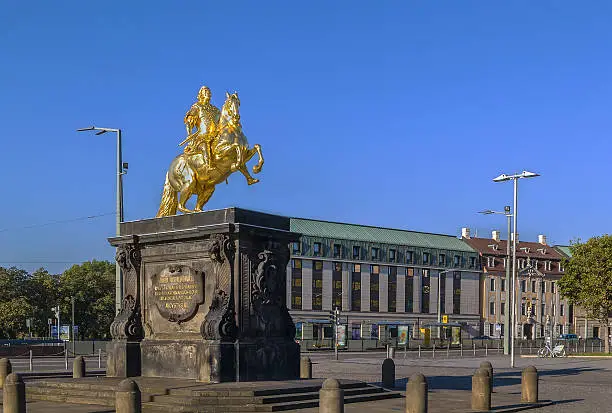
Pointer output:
x,y
169,201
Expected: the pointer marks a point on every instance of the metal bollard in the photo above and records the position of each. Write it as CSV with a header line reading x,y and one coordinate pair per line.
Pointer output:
x,y
486,349
447,349
419,351
416,394
99,358
305,368
461,349
474,344
14,400
433,351
388,373
31,361
488,367
128,397
66,358
331,397
5,369
529,385
78,367
391,352
481,391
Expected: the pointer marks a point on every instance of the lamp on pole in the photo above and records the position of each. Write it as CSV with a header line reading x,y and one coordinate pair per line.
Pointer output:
x,y
514,178
121,170
508,304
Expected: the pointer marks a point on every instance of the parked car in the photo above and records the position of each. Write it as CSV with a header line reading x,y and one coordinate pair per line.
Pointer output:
x,y
481,338
568,337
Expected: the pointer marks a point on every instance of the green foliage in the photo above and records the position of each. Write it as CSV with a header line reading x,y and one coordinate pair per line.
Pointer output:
x,y
23,295
587,281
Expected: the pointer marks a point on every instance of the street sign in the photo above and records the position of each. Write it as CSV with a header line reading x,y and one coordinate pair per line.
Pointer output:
x,y
445,319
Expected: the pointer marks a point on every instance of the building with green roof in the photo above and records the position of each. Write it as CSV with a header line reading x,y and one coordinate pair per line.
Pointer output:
x,y
382,280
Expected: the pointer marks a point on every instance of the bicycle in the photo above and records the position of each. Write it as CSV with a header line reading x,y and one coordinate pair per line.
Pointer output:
x,y
547,351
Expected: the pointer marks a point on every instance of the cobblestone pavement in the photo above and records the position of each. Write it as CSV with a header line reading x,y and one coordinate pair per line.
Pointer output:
x,y
572,384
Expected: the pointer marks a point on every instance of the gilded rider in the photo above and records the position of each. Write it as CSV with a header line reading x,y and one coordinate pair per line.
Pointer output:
x,y
204,117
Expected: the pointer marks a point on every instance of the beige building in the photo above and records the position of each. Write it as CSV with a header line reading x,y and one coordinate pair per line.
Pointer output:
x,y
539,307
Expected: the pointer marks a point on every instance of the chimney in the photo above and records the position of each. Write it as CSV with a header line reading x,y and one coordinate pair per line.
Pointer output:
x,y
495,235
465,233
542,239
512,237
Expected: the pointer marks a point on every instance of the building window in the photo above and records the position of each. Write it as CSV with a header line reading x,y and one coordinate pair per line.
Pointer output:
x,y
442,260
296,284
492,284
391,255
472,262
409,290
442,292
543,310
491,329
425,290
523,286
490,261
552,287
317,285
375,253
392,290
533,286
456,292
356,290
374,292
356,267
356,253
492,308
295,247
457,260
316,248
503,284
543,286
337,250
425,258
337,286
523,309
409,256
502,309
374,269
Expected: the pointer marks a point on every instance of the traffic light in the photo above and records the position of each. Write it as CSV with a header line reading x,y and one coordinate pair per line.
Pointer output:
x,y
334,316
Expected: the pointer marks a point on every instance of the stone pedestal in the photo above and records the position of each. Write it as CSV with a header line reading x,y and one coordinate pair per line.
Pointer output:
x,y
204,298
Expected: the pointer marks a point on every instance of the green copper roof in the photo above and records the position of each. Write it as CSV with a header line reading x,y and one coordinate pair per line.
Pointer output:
x,y
354,232
565,250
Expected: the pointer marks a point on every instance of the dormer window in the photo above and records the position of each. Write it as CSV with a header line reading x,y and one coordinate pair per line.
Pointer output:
x,y
425,258
442,259
295,247
457,260
316,248
375,254
391,255
409,256
542,250
337,250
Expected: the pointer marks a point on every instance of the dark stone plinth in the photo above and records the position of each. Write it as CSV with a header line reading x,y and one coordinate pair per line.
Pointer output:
x,y
123,359
204,296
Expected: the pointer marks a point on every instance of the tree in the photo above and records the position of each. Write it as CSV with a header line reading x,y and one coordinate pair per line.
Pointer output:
x,y
14,305
92,284
42,291
587,281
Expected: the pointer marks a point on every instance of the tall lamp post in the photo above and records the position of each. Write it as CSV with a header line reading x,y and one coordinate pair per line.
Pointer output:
x,y
440,300
515,178
508,305
121,170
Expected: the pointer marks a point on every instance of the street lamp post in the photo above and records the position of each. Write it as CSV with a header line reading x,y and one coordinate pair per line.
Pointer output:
x,y
440,301
509,298
515,178
121,170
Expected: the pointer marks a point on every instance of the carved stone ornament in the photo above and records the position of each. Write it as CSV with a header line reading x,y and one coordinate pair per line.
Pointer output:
x,y
220,323
267,289
127,324
177,291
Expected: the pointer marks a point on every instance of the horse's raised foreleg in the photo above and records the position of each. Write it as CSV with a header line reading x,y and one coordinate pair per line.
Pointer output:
x,y
245,171
257,168
203,197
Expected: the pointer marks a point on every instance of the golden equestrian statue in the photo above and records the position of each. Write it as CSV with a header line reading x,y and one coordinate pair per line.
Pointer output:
x,y
216,149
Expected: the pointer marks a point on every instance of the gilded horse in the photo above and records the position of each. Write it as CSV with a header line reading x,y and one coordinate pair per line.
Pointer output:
x,y
189,174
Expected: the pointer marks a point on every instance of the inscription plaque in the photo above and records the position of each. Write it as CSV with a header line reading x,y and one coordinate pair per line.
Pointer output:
x,y
178,290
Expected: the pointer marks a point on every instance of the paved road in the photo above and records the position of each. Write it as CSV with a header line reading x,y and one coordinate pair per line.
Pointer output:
x,y
574,384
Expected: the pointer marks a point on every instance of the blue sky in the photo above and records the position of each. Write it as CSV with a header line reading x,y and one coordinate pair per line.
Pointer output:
x,y
394,114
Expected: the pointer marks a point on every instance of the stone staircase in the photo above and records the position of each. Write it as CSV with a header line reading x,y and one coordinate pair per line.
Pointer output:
x,y
182,396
